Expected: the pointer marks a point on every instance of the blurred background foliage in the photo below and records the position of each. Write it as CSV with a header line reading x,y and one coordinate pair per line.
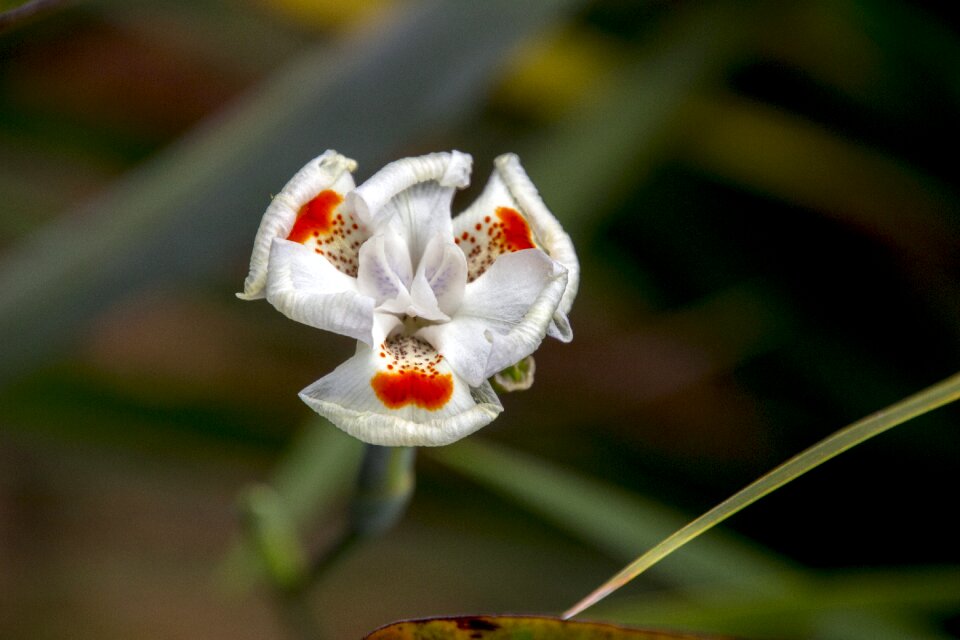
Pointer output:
x,y
765,201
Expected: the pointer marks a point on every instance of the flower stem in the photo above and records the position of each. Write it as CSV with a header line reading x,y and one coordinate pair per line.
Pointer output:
x,y
384,488
385,485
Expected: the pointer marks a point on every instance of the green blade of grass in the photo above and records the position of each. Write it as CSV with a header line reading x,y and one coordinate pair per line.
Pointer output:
x,y
931,398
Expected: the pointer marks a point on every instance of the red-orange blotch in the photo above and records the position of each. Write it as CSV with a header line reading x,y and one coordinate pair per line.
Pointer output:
x,y
516,231
315,216
396,390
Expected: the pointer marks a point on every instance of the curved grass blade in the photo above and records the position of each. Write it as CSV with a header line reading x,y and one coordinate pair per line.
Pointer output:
x,y
929,399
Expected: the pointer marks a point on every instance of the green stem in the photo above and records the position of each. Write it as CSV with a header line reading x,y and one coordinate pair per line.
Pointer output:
x,y
384,489
931,398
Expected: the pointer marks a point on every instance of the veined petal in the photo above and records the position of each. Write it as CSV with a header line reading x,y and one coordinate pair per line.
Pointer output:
x,y
504,315
309,289
510,216
309,204
411,197
385,269
401,394
441,274
386,276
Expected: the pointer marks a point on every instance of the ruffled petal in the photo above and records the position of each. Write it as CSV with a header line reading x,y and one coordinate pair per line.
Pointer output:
x,y
411,197
308,210
309,289
504,315
401,394
510,216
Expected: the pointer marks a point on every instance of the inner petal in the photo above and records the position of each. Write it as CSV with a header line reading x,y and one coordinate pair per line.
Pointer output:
x,y
441,275
385,272
411,372
331,231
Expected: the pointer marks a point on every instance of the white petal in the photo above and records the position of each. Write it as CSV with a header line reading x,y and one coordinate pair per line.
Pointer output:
x,y
328,171
442,272
424,302
412,197
504,315
384,323
385,275
428,416
385,269
309,289
509,186
466,343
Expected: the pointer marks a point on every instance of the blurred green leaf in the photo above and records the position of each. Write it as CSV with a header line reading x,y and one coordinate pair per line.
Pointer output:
x,y
196,205
273,535
780,154
581,165
319,467
14,13
613,519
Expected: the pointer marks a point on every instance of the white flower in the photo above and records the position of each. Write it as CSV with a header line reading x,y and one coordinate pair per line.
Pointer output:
x,y
437,305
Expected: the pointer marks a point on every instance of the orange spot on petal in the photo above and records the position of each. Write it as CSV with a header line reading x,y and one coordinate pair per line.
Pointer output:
x,y
315,217
516,232
396,390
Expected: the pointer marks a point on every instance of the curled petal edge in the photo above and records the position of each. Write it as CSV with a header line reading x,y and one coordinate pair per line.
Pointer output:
x,y
330,170
555,240
448,169
525,337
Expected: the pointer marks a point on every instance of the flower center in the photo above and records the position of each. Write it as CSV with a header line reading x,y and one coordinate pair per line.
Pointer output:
x,y
409,299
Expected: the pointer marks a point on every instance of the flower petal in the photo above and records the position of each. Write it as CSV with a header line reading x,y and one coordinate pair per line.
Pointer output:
x,y
402,394
510,216
504,315
385,269
441,274
309,201
412,197
307,288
